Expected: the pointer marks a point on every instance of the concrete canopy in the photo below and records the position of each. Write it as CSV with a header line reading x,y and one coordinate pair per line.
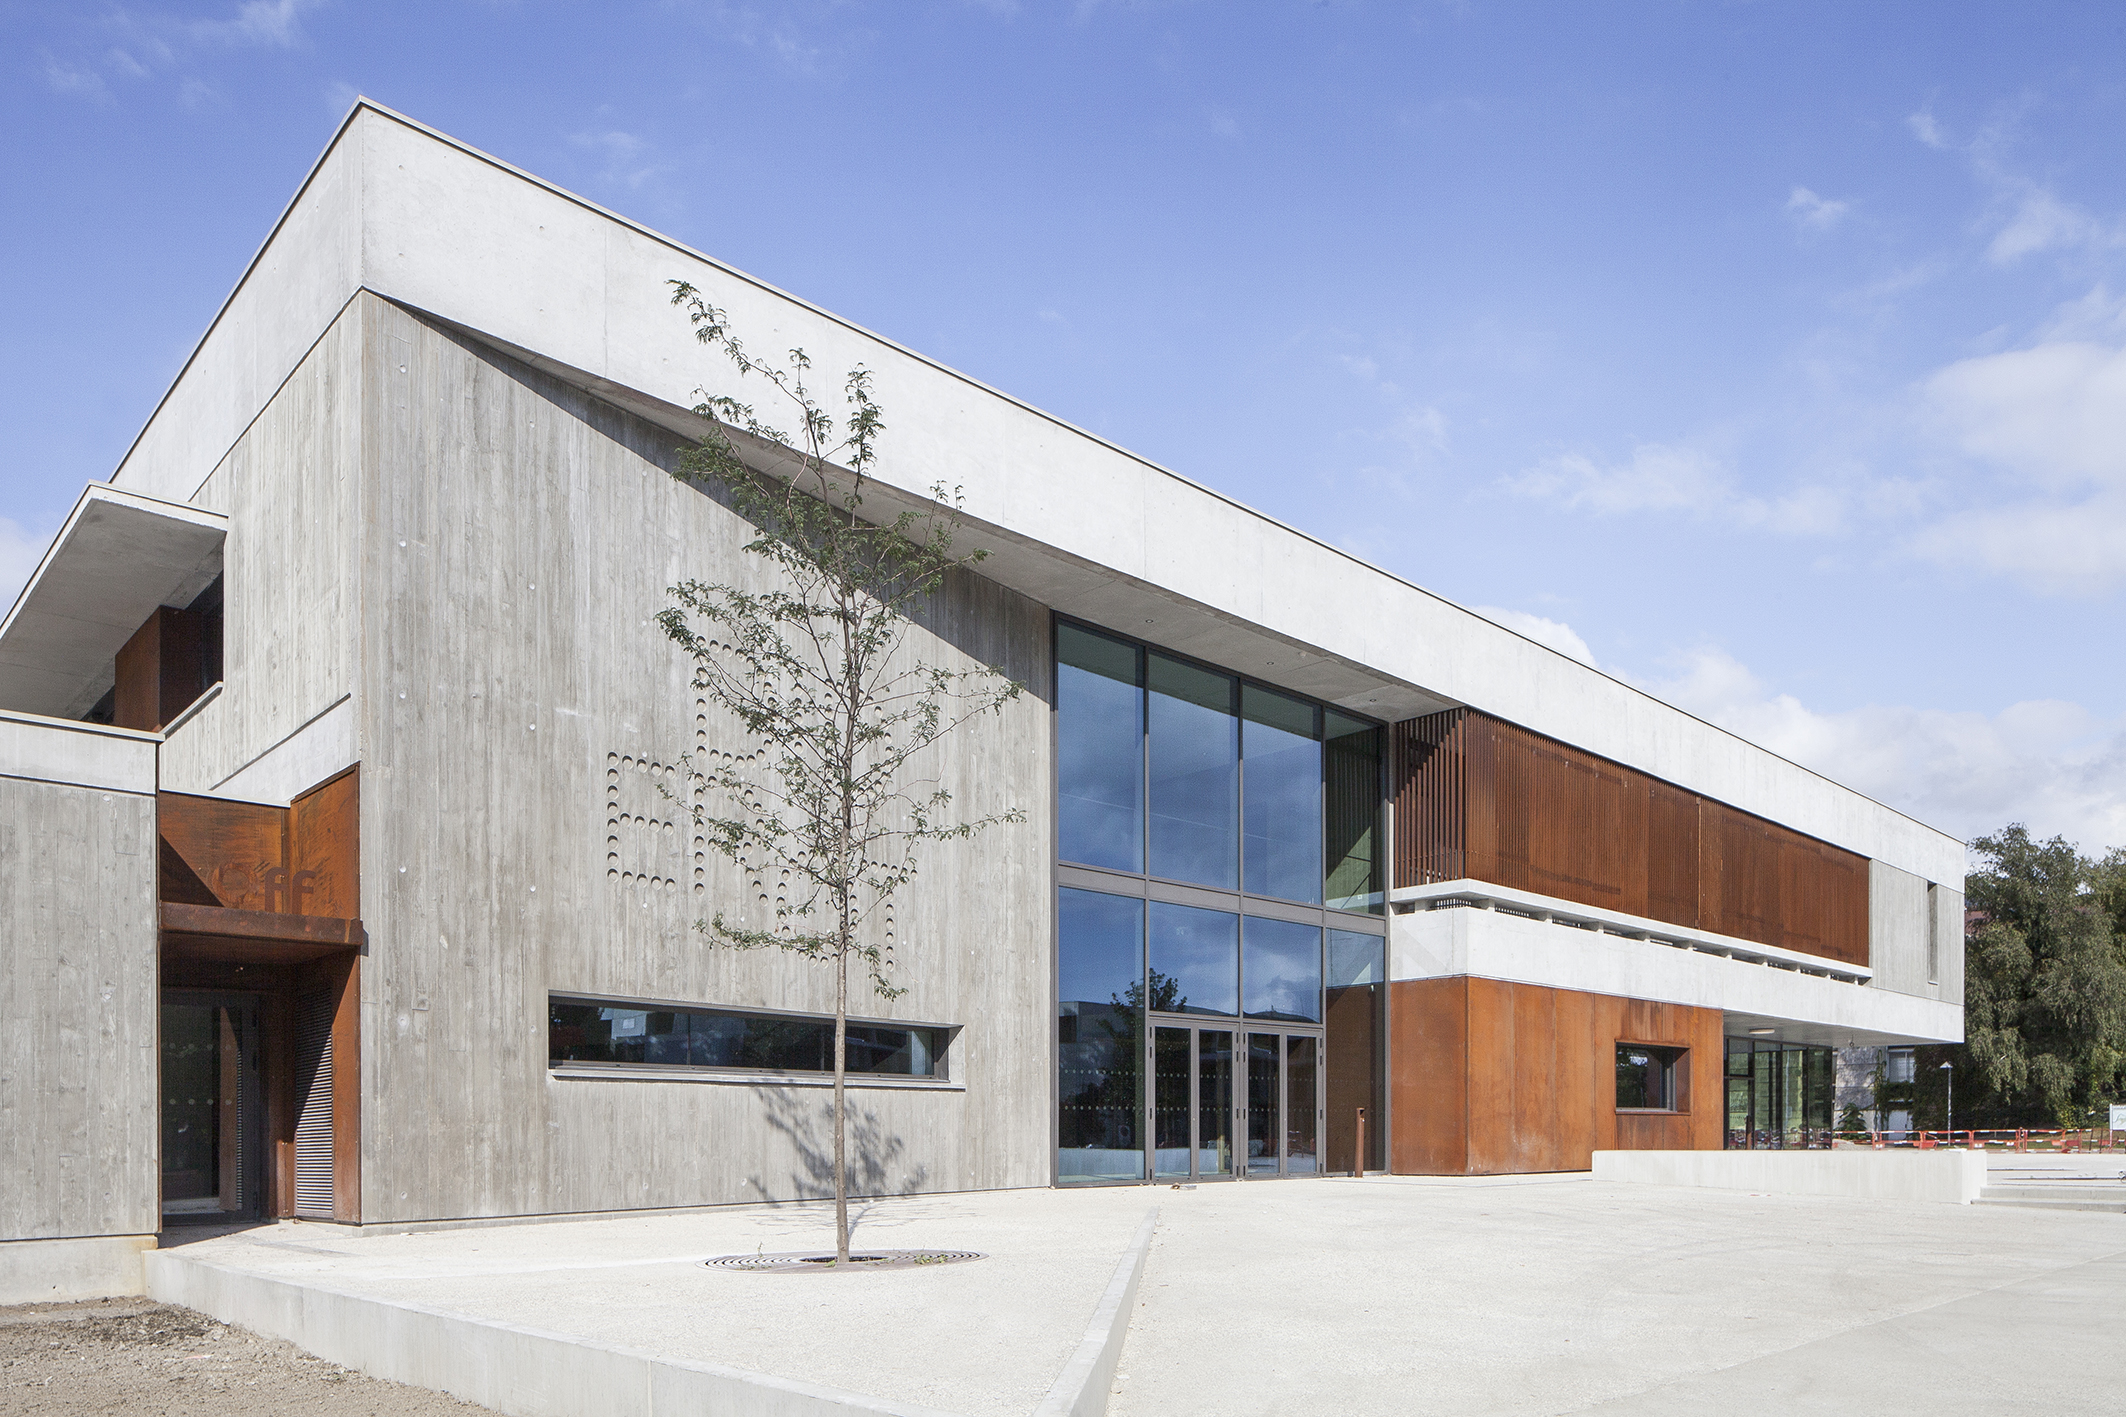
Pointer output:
x,y
118,557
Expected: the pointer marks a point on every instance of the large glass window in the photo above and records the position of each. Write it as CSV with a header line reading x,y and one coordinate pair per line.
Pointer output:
x,y
1184,773
1281,970
1100,1037
1195,960
587,1031
1195,775
1646,1077
1280,743
1099,750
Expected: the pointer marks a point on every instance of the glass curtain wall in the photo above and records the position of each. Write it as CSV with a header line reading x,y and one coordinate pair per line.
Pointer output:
x,y
1167,769
1192,1040
1779,1095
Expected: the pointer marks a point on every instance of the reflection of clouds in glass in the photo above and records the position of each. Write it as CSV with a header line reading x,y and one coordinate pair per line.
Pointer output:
x,y
1200,950
1100,946
1283,969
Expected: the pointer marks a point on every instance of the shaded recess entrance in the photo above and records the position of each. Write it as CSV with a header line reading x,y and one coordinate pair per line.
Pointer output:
x,y
261,967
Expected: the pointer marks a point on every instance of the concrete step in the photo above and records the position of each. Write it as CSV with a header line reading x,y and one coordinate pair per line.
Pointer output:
x,y
2057,1196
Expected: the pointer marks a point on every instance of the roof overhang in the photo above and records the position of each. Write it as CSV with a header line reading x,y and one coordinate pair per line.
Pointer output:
x,y
118,557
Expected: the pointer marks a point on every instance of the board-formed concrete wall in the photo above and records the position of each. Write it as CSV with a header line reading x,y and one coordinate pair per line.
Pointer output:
x,y
288,486
519,709
1915,935
77,988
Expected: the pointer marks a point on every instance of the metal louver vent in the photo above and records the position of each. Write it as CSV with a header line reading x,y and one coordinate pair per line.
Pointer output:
x,y
313,1125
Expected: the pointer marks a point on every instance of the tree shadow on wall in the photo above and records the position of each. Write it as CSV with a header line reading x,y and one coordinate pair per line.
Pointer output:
x,y
875,1156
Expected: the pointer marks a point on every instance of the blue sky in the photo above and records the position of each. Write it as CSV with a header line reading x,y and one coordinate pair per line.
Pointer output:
x,y
1771,356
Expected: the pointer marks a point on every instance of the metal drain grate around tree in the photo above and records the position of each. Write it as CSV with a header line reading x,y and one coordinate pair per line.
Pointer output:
x,y
814,1262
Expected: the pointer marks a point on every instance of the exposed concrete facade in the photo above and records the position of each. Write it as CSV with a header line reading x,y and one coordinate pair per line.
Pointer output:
x,y
1915,934
77,987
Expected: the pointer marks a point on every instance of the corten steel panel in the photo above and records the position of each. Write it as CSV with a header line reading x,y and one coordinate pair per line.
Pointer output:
x,y
1353,1042
277,1014
237,850
1671,855
1491,801
347,1092
1494,1051
326,855
1537,1068
160,670
1574,1076
1427,1090
1534,1142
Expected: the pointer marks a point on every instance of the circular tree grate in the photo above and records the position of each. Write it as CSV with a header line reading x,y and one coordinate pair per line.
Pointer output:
x,y
814,1262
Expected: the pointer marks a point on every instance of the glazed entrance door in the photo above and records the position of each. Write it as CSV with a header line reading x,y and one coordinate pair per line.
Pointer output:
x,y
211,1112
1209,1124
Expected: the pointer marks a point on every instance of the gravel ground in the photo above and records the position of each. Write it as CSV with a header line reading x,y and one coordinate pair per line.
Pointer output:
x,y
144,1359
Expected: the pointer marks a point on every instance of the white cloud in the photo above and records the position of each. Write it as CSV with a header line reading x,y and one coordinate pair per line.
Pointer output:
x,y
148,42
2051,764
83,83
621,156
1555,633
2058,548
1926,129
1814,212
19,553
2041,221
1659,477
2053,414
1662,477
2051,419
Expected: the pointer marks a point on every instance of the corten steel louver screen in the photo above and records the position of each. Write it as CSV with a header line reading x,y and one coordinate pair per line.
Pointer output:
x,y
1481,799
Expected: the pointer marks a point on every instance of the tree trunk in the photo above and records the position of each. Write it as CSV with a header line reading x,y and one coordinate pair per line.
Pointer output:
x,y
841,1130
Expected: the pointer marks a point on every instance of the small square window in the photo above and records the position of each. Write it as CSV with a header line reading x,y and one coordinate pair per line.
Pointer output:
x,y
1647,1077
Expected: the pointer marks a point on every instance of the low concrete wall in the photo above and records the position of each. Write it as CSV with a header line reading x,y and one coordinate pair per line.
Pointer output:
x,y
519,1371
58,1271
1955,1177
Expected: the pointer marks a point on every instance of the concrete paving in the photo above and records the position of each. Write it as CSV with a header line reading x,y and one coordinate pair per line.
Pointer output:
x,y
1388,1295
975,1339
1415,1296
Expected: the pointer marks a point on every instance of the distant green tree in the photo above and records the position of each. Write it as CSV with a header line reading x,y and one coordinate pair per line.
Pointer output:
x,y
2044,988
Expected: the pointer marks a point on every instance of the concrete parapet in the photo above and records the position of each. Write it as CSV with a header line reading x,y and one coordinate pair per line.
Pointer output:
x,y
1954,1177
59,1271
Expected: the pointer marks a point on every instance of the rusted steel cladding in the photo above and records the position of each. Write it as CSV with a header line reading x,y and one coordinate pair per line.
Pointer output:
x,y
1482,799
1496,1078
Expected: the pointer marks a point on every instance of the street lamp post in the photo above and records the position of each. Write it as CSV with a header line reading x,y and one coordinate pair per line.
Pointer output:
x,y
1950,1083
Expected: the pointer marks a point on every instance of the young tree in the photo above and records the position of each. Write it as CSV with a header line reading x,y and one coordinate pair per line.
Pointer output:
x,y
821,672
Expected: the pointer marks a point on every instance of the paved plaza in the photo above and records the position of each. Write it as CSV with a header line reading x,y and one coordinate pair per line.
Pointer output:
x,y
1400,1295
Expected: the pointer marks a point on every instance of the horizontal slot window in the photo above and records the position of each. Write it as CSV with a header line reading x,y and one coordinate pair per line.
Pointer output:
x,y
653,1035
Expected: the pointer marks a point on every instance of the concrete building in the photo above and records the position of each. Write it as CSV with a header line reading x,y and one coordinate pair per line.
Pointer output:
x,y
338,882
